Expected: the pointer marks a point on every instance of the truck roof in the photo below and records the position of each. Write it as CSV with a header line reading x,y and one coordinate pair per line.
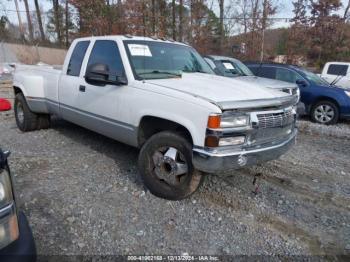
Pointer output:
x,y
130,37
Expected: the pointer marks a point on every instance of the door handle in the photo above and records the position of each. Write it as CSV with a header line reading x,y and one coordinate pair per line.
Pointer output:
x,y
82,88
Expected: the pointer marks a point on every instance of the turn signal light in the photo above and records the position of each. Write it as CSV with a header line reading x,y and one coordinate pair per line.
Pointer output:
x,y
214,121
211,141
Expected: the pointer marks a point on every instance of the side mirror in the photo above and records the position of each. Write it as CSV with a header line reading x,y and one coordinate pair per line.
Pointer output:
x,y
301,82
99,74
3,158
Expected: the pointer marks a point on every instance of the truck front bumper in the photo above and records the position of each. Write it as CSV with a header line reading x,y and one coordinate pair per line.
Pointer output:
x,y
213,162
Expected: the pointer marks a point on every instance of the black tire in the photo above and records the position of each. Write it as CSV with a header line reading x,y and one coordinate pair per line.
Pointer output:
x,y
185,184
25,119
325,112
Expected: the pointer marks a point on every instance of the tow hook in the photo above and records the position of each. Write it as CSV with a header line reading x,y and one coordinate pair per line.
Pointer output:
x,y
256,183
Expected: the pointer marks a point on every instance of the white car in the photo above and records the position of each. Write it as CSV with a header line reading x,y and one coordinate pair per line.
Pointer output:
x,y
162,97
337,73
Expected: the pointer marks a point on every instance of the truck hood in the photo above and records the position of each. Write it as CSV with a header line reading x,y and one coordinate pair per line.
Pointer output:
x,y
218,88
266,82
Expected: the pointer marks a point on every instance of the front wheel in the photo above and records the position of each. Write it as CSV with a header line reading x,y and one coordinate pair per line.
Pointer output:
x,y
325,112
165,164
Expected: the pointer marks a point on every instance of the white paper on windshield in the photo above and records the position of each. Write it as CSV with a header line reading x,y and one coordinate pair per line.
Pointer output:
x,y
228,66
139,50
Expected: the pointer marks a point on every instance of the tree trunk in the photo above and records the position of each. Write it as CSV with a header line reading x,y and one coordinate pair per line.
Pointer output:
x,y
153,17
109,17
19,21
174,19
57,20
221,29
29,21
38,13
263,28
346,12
67,23
162,11
181,20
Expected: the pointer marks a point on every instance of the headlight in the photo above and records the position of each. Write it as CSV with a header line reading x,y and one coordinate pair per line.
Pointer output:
x,y
6,196
347,93
229,120
9,230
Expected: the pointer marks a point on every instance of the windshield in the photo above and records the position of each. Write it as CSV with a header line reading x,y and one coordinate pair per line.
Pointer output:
x,y
233,68
157,60
313,77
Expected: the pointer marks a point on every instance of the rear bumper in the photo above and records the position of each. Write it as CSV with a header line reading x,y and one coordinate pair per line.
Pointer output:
x,y
23,249
211,162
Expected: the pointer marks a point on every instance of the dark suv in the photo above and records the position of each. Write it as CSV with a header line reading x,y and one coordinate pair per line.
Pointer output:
x,y
16,238
325,103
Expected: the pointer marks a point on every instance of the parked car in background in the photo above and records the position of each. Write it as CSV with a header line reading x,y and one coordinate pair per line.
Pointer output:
x,y
16,239
233,68
337,73
162,97
325,103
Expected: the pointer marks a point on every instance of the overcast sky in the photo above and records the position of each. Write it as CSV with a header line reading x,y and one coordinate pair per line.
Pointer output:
x,y
285,9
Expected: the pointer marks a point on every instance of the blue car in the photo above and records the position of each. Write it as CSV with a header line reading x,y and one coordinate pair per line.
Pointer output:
x,y
325,103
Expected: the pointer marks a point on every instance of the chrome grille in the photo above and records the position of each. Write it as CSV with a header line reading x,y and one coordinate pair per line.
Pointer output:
x,y
291,91
271,120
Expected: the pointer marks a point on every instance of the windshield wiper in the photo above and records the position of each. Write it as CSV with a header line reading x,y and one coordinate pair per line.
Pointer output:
x,y
161,72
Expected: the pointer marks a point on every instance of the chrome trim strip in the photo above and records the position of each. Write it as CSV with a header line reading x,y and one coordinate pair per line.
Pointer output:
x,y
243,151
8,210
259,103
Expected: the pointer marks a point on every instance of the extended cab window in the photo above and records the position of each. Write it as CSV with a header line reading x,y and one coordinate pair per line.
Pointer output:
x,y
107,52
338,70
77,58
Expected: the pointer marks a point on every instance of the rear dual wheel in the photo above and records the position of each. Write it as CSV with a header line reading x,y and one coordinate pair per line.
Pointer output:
x,y
165,163
26,120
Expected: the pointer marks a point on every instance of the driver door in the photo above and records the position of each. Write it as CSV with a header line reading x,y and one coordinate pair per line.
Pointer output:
x,y
100,104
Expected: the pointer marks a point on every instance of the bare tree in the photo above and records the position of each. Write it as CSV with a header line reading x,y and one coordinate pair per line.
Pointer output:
x,y
67,23
56,8
174,19
221,26
29,21
263,27
181,6
19,20
162,18
153,17
346,12
38,13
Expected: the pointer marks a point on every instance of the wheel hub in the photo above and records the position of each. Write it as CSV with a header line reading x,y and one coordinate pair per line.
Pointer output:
x,y
20,113
324,113
170,165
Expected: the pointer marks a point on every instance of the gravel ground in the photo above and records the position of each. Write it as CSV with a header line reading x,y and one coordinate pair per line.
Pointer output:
x,y
82,195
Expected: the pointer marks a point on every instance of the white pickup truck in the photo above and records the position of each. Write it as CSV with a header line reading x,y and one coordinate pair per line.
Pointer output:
x,y
337,73
162,97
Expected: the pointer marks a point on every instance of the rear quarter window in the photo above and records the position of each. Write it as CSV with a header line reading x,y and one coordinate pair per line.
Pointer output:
x,y
77,57
338,70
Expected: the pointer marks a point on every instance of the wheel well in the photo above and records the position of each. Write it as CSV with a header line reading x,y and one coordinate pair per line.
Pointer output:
x,y
324,98
151,125
17,90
